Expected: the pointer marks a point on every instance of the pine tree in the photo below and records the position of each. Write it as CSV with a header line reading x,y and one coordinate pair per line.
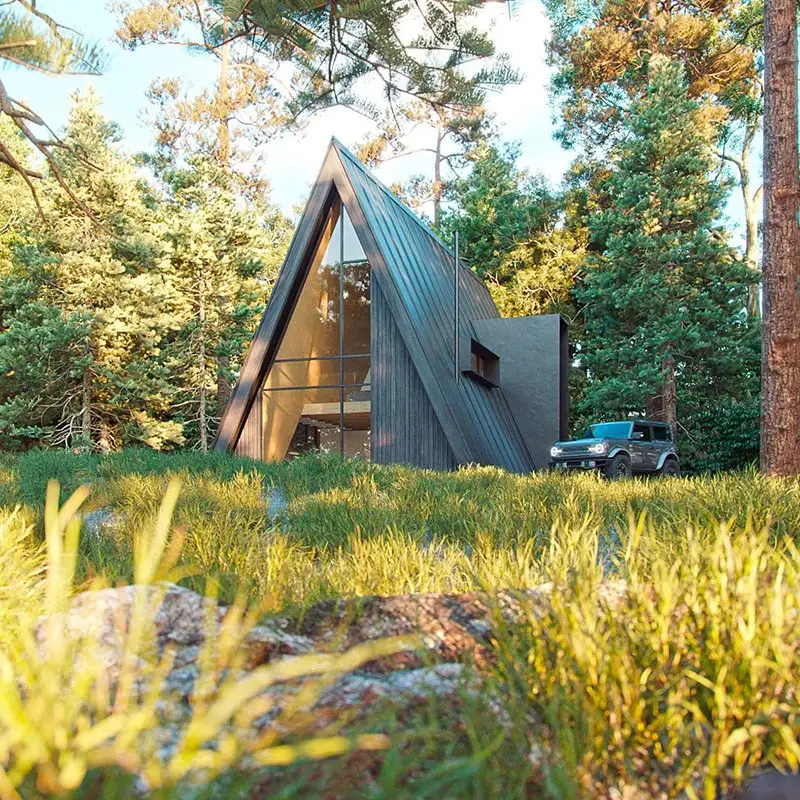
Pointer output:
x,y
496,208
226,239
413,50
223,259
85,307
666,327
33,40
16,203
601,51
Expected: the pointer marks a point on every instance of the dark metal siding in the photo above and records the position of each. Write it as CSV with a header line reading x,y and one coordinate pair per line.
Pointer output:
x,y
405,428
250,440
414,271
420,268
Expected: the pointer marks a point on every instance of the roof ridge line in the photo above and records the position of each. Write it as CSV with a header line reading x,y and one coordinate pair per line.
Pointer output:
x,y
342,150
386,190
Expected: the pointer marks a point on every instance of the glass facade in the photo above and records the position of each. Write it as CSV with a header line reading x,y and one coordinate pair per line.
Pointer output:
x,y
316,397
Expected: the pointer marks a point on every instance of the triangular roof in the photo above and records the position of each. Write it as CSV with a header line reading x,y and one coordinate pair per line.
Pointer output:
x,y
414,271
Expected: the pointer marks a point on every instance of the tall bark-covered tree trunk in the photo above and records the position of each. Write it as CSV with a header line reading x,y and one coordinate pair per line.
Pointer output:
x,y
780,412
655,406
202,413
670,395
652,13
751,200
224,387
663,407
223,101
437,177
86,411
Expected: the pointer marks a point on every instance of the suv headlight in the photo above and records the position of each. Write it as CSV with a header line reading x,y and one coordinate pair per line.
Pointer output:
x,y
599,449
555,451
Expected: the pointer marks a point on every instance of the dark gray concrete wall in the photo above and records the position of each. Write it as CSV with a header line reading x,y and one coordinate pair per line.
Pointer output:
x,y
534,359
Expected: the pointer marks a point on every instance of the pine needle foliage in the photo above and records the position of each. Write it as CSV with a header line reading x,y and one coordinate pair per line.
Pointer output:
x,y
413,50
667,332
32,39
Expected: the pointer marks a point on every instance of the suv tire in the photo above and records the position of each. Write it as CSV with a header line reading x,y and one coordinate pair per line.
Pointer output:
x,y
670,469
618,467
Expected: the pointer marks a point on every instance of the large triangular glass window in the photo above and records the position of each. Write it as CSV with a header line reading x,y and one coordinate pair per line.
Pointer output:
x,y
316,397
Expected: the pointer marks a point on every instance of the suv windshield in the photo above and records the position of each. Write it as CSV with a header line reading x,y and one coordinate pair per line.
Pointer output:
x,y
612,430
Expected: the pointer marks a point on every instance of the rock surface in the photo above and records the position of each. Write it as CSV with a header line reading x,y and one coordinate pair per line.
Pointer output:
x,y
450,629
179,619
101,521
453,627
447,634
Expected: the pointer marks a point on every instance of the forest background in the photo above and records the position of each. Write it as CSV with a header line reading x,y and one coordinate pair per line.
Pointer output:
x,y
125,308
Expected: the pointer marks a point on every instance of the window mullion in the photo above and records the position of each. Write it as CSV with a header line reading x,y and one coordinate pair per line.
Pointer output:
x,y
341,331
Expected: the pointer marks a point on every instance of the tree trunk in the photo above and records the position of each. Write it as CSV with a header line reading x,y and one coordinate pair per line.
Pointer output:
x,y
663,407
437,179
670,395
652,13
780,432
86,412
223,102
224,148
750,199
104,440
655,407
201,356
224,387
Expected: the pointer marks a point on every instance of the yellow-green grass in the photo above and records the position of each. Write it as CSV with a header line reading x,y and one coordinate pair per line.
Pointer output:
x,y
68,730
686,687
352,528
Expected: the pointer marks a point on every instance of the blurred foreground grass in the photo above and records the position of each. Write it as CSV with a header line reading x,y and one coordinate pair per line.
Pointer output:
x,y
682,690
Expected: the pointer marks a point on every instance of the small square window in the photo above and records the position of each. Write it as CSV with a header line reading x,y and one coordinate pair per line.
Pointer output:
x,y
484,365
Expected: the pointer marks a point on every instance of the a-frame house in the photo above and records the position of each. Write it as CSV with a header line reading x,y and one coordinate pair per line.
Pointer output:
x,y
368,347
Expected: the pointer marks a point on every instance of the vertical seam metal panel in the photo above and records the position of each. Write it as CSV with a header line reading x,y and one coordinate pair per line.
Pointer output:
x,y
369,232
405,426
421,268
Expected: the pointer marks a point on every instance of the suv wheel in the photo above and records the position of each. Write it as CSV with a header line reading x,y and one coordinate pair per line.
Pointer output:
x,y
670,469
618,467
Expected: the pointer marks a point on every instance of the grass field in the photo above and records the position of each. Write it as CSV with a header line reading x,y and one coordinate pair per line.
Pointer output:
x,y
685,689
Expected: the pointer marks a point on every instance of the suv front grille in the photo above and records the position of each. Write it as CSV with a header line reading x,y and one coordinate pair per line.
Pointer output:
x,y
577,450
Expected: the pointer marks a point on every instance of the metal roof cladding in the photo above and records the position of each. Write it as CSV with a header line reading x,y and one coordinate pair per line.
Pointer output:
x,y
414,270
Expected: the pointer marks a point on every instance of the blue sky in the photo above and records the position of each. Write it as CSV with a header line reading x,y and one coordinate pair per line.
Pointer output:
x,y
292,161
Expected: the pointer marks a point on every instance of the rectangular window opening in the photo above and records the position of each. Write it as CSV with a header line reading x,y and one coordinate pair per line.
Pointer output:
x,y
662,433
484,365
317,394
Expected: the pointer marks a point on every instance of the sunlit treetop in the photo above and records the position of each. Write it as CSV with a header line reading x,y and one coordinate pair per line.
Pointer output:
x,y
33,40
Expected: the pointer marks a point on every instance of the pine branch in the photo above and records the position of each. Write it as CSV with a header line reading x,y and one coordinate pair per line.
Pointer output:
x,y
60,51
21,115
22,43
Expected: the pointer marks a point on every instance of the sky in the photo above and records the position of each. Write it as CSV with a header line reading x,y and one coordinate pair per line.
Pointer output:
x,y
291,162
